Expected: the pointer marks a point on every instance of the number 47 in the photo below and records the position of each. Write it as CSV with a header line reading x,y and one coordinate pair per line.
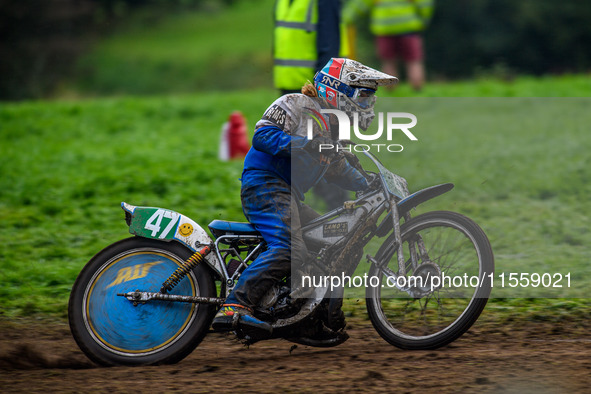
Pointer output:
x,y
153,224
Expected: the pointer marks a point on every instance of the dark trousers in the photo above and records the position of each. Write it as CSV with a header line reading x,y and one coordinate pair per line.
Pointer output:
x,y
269,205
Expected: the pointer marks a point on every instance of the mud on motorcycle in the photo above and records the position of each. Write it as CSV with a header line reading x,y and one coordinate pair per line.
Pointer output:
x,y
150,299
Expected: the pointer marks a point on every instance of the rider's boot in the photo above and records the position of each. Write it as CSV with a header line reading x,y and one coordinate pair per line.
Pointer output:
x,y
234,317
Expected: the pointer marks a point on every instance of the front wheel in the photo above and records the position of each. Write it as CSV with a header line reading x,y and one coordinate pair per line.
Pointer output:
x,y
451,279
110,330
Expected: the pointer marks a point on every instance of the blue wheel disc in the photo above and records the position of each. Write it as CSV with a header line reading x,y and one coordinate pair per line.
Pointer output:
x,y
115,323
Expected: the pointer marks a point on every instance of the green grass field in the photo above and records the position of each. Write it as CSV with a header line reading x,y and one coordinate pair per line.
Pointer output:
x,y
521,168
66,166
520,164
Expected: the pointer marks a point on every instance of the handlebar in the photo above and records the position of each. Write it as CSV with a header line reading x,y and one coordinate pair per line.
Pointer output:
x,y
353,159
391,182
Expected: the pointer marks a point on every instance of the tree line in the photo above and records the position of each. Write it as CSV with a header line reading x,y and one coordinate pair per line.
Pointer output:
x,y
526,37
41,39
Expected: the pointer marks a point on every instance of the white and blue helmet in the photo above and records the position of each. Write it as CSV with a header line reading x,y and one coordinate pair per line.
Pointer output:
x,y
350,86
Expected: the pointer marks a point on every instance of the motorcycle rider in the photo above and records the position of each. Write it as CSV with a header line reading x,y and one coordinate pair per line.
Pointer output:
x,y
282,165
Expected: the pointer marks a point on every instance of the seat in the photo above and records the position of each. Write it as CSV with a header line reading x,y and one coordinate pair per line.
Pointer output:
x,y
222,227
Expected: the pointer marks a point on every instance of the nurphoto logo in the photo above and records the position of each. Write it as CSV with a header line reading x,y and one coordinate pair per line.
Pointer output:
x,y
393,124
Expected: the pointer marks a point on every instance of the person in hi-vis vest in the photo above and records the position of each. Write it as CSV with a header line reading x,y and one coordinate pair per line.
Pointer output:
x,y
307,34
397,26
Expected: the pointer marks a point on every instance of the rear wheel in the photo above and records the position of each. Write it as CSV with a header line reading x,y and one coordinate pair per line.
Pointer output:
x,y
456,266
110,330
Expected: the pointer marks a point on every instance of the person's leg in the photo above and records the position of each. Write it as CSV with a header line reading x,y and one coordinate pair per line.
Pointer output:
x,y
412,52
268,208
390,66
331,194
416,74
386,50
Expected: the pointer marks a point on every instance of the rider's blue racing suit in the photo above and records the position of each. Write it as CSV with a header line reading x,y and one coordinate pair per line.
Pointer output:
x,y
278,170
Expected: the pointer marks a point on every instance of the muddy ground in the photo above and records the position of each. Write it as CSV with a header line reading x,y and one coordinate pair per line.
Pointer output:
x,y
521,357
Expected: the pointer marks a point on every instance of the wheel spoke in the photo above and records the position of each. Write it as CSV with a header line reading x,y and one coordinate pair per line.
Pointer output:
x,y
456,247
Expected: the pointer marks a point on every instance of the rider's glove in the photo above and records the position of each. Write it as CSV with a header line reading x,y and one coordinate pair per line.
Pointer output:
x,y
321,146
373,181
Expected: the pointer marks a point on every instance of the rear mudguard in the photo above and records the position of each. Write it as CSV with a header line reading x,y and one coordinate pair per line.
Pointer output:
x,y
166,225
410,202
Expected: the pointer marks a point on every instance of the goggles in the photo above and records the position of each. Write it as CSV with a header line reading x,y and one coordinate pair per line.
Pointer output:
x,y
364,97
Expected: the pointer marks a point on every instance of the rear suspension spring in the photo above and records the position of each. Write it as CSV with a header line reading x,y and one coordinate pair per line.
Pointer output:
x,y
184,269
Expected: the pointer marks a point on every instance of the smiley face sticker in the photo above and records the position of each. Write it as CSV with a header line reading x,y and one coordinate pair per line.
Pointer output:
x,y
185,229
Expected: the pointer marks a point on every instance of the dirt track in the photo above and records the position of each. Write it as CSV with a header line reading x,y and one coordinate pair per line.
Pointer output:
x,y
533,358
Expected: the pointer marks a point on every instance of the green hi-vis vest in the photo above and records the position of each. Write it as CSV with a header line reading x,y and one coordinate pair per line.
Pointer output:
x,y
391,17
294,49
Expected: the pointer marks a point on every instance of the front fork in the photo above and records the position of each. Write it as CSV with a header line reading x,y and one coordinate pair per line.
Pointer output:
x,y
416,256
398,236
412,244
